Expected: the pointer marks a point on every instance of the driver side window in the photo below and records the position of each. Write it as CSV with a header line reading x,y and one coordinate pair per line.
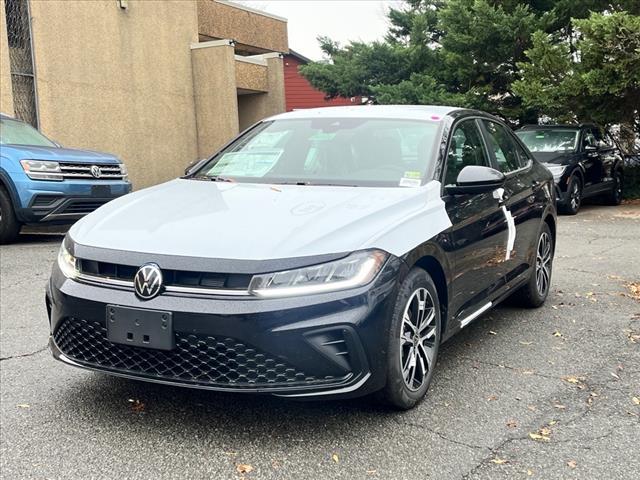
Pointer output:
x,y
465,148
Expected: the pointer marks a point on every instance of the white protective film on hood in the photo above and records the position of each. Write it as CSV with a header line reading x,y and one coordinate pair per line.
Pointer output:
x,y
260,221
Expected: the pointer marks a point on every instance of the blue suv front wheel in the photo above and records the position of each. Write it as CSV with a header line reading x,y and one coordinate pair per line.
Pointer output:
x,y
9,225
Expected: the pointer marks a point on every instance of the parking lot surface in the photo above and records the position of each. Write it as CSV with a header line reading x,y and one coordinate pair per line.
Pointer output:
x,y
546,393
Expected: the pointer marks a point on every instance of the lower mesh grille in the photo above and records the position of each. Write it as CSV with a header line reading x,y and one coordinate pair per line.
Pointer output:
x,y
216,361
86,206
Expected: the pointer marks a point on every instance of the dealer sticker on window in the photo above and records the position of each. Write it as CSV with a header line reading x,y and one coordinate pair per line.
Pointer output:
x,y
410,182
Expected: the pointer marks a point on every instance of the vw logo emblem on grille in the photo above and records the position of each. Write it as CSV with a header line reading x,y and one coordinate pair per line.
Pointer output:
x,y
148,281
95,171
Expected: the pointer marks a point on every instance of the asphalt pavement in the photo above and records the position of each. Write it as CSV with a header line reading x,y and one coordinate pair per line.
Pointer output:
x,y
545,394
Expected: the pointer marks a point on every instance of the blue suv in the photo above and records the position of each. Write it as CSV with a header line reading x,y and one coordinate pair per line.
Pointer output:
x,y
41,182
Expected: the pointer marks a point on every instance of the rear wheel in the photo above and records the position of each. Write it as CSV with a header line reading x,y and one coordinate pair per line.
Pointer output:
x,y
536,290
414,339
9,225
574,196
615,196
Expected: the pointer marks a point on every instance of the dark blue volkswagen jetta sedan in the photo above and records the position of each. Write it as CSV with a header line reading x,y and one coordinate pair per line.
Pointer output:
x,y
322,253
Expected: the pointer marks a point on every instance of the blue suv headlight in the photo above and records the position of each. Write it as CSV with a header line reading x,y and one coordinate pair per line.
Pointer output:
x,y
42,170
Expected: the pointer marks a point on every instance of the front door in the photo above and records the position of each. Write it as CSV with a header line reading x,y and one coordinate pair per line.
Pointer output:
x,y
475,241
521,209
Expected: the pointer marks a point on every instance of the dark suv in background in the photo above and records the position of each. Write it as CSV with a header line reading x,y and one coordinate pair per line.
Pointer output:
x,y
584,160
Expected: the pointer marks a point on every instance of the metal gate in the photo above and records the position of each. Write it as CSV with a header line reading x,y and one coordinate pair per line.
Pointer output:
x,y
23,82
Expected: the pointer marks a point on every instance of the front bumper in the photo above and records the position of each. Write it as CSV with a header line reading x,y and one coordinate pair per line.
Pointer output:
x,y
66,201
330,344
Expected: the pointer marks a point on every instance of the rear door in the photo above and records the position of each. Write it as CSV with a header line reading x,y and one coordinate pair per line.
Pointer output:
x,y
475,242
519,199
591,161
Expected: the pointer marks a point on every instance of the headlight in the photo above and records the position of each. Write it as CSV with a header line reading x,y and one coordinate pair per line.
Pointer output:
x,y
353,271
123,171
42,170
556,170
68,263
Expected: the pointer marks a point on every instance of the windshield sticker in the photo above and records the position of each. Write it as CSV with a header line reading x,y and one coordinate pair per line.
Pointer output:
x,y
410,182
413,174
247,163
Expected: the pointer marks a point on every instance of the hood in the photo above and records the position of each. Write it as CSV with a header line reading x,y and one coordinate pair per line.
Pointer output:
x,y
260,221
57,154
556,158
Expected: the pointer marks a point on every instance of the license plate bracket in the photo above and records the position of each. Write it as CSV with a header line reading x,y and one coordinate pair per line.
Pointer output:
x,y
139,327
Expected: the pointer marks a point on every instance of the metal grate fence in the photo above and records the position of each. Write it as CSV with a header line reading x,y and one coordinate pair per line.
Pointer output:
x,y
21,60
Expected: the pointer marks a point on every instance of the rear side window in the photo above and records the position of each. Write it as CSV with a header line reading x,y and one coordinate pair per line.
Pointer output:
x,y
504,147
466,148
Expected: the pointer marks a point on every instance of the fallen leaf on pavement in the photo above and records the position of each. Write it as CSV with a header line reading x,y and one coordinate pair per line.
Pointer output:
x,y
634,290
243,468
574,380
615,376
529,472
544,431
636,400
572,463
512,424
538,437
371,472
559,406
491,332
557,334
136,405
24,405
335,458
499,461
491,398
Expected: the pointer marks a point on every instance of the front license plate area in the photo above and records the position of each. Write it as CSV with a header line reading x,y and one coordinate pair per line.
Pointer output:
x,y
138,327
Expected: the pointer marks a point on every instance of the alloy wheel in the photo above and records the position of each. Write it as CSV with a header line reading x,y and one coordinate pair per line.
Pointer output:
x,y
618,188
417,339
543,264
574,195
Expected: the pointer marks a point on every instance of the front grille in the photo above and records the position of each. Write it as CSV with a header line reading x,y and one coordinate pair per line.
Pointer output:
x,y
42,201
82,206
199,359
178,278
108,171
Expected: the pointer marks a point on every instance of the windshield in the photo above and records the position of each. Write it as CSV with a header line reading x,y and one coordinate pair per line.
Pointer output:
x,y
328,151
548,140
13,132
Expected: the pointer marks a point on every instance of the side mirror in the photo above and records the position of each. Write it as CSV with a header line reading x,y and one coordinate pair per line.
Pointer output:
x,y
193,166
475,179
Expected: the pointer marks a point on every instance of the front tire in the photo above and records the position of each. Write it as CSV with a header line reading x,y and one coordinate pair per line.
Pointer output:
x,y
9,225
615,196
536,290
574,196
414,339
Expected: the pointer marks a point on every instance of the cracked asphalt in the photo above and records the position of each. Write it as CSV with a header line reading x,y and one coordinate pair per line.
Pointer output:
x,y
546,393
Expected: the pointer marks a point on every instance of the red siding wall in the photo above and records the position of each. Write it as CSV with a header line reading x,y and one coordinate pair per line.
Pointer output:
x,y
300,94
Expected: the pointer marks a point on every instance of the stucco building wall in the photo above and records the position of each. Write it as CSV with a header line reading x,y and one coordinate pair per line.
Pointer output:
x,y
215,95
255,32
137,81
6,94
252,108
119,81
